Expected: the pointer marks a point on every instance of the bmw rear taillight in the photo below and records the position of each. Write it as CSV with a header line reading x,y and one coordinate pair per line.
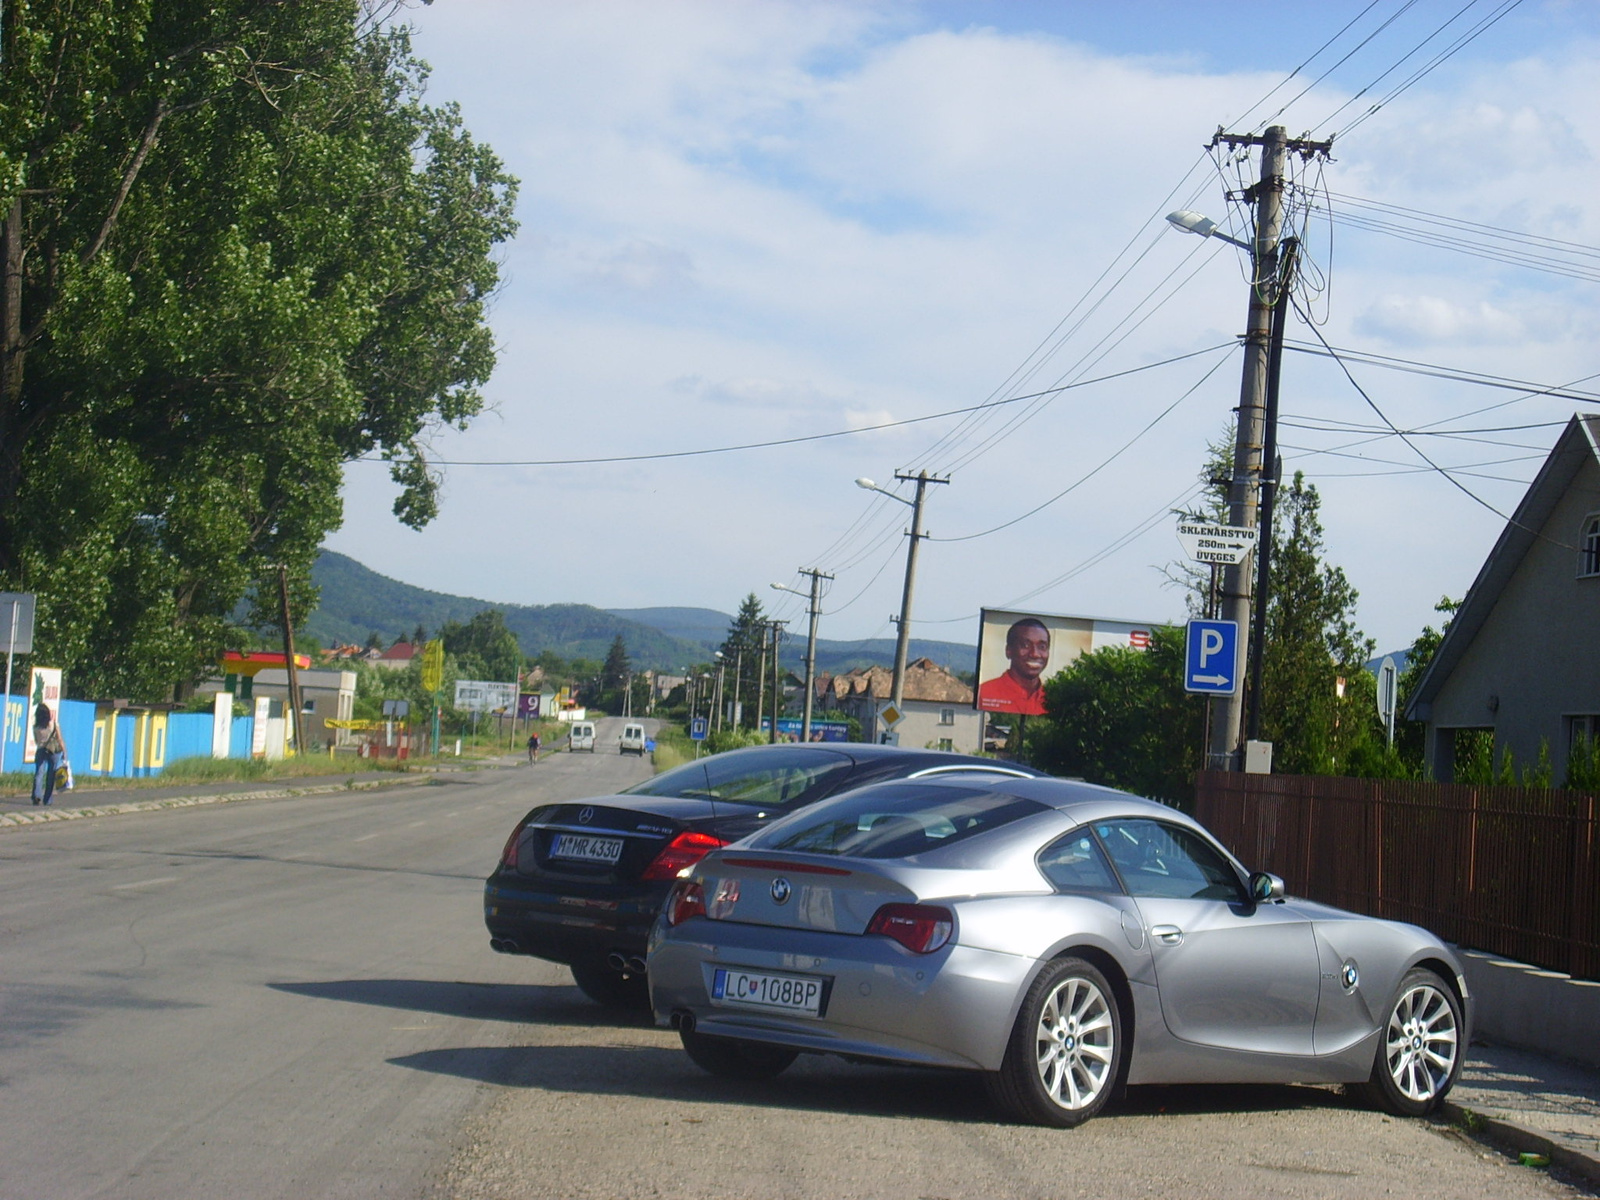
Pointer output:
x,y
508,856
920,928
682,851
688,899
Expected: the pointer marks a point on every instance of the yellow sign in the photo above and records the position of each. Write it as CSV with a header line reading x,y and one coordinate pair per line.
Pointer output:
x,y
432,665
356,723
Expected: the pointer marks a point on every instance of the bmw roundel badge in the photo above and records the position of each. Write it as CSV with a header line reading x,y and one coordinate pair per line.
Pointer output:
x,y
1350,975
585,815
780,890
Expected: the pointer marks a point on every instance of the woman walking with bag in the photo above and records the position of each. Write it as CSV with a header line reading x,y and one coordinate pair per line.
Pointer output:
x,y
48,752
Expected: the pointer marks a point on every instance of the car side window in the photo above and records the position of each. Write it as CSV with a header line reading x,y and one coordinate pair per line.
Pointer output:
x,y
1168,862
1076,863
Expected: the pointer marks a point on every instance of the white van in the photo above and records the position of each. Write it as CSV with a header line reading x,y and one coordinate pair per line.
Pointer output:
x,y
632,740
582,736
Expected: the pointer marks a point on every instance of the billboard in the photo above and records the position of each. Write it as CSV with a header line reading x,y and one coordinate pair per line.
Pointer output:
x,y
1018,651
482,695
821,731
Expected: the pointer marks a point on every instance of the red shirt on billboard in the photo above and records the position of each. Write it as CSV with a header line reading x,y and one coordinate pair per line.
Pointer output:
x,y
1021,688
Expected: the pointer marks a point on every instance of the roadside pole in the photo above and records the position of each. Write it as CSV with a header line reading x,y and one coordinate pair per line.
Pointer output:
x,y
903,638
812,612
298,721
777,678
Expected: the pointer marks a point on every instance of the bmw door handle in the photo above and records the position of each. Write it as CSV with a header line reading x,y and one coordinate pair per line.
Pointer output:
x,y
1170,934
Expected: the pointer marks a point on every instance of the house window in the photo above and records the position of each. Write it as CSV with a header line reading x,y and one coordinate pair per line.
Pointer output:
x,y
309,706
945,744
1589,547
947,716
1583,726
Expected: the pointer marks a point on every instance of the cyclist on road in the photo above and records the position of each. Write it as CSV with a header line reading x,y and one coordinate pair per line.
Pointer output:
x,y
533,748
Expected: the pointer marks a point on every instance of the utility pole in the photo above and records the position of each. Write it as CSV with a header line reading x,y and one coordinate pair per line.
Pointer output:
x,y
297,721
1249,467
812,612
777,678
1270,485
903,621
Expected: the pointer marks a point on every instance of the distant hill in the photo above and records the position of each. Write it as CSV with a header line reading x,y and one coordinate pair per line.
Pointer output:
x,y
707,628
357,602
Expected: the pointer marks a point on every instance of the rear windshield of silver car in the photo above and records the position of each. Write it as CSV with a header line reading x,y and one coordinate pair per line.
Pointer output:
x,y
766,778
895,821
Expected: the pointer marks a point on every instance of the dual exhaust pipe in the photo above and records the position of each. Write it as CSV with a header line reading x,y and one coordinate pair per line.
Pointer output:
x,y
504,946
628,964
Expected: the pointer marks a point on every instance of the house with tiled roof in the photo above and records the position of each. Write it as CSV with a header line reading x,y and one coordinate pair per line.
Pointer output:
x,y
938,706
398,656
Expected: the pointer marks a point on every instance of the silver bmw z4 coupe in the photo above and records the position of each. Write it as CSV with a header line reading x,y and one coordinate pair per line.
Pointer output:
x,y
1061,938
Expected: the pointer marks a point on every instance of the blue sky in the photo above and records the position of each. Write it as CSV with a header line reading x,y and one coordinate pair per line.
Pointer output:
x,y
745,222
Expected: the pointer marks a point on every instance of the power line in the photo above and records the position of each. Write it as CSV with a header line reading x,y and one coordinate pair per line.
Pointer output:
x,y
792,441
1438,60
1413,367
1104,463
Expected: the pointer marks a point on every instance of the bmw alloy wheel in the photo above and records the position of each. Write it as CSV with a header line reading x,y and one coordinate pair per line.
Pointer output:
x,y
1065,1055
1075,1042
1421,1043
1419,1047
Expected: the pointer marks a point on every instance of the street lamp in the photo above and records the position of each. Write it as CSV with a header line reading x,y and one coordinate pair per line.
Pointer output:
x,y
1193,222
922,479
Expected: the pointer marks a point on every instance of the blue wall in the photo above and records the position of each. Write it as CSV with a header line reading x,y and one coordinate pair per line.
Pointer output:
x,y
188,736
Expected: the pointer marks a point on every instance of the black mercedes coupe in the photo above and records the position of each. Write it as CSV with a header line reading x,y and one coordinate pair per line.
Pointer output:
x,y
581,882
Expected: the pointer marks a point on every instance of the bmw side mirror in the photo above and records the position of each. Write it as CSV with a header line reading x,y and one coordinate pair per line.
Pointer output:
x,y
1265,887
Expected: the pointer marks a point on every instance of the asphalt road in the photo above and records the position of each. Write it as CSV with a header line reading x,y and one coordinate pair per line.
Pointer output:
x,y
237,999
295,998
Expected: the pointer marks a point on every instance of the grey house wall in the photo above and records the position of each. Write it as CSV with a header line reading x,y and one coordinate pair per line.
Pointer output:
x,y
1536,660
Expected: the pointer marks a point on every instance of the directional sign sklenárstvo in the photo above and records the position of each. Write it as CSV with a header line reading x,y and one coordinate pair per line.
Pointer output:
x,y
1206,543
1211,660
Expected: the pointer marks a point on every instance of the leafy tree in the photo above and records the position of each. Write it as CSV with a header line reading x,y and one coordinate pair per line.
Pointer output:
x,y
483,644
1409,735
1120,717
615,674
240,252
1311,641
741,657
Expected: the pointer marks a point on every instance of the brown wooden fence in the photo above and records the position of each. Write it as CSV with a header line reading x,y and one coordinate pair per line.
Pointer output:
x,y
1512,871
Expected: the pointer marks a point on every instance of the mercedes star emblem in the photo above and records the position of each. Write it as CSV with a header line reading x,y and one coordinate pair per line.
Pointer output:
x,y
585,815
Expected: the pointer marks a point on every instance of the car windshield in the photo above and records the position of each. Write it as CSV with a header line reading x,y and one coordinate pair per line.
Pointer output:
x,y
896,821
765,778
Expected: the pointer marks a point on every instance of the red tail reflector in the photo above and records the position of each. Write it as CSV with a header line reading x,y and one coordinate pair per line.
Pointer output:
x,y
688,899
920,928
508,856
682,851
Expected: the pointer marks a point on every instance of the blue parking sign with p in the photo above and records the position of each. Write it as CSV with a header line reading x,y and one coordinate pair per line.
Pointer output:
x,y
1211,660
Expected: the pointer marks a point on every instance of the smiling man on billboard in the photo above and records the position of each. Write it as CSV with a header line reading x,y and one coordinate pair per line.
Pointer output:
x,y
1020,688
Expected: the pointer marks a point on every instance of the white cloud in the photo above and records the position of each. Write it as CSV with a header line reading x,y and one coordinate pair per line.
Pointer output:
x,y
748,221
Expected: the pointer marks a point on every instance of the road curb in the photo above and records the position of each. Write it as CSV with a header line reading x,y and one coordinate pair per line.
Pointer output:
x,y
1522,1140
49,813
